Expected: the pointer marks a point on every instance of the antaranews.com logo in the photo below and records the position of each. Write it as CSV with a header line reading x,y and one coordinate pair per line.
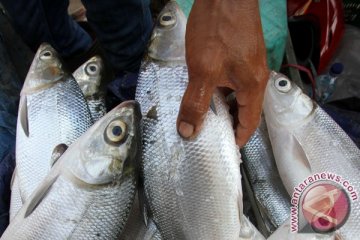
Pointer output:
x,y
321,203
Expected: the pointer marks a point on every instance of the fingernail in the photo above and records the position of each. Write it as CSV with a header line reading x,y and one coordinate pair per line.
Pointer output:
x,y
186,130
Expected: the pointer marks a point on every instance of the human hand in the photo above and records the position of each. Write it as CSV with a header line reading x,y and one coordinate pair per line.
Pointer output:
x,y
224,48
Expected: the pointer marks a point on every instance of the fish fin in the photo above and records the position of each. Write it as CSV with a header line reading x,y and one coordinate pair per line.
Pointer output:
x,y
142,201
212,106
23,115
57,153
304,157
142,206
12,180
38,196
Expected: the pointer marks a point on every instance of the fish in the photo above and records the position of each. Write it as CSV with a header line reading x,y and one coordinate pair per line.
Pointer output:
x,y
89,191
52,111
89,77
192,188
306,141
271,197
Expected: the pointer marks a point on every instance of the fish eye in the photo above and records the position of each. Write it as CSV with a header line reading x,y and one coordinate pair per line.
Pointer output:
x,y
46,55
116,131
167,19
92,69
283,85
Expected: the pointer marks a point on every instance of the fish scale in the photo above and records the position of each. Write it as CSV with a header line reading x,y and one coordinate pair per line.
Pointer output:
x,y
97,108
74,220
51,121
192,188
49,103
270,193
182,176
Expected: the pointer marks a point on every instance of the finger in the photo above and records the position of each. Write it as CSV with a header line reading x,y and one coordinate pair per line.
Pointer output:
x,y
194,107
249,113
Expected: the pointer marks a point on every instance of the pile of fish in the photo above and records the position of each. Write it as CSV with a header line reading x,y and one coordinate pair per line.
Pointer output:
x,y
82,173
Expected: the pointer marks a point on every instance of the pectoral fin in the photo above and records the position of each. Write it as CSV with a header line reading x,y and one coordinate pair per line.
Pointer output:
x,y
23,115
39,194
57,153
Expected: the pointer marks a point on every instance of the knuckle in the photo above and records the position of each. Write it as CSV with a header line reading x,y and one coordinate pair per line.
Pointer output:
x,y
205,63
203,68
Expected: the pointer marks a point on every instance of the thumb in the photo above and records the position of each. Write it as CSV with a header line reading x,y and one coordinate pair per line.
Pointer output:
x,y
194,107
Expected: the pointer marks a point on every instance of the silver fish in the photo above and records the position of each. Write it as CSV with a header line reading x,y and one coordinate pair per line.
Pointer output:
x,y
52,111
89,191
89,76
192,187
271,198
306,141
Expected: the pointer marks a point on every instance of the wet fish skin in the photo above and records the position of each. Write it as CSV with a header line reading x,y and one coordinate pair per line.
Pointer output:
x,y
52,111
192,187
271,197
306,140
89,191
89,77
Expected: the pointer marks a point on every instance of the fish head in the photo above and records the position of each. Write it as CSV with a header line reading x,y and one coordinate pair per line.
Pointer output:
x,y
284,101
88,76
45,70
110,148
167,42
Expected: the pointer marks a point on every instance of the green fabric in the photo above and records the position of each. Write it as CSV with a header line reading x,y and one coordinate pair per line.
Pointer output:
x,y
274,22
185,6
